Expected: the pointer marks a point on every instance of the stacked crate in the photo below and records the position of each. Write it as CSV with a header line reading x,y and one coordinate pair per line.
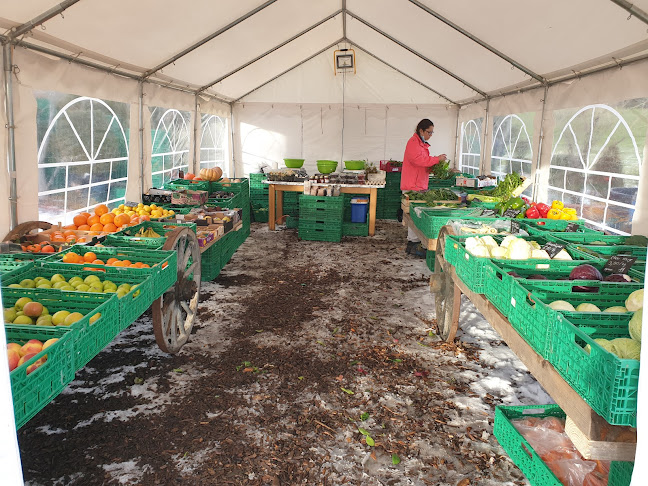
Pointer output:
x,y
259,197
349,228
320,218
389,198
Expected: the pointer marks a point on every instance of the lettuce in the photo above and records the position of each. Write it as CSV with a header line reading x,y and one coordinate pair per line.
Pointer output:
x,y
626,348
634,301
634,326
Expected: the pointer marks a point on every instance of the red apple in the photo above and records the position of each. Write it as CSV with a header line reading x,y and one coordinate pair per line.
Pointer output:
x,y
32,346
14,358
37,364
26,358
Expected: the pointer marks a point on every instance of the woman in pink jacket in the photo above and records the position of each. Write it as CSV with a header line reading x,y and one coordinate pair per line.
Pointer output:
x,y
417,163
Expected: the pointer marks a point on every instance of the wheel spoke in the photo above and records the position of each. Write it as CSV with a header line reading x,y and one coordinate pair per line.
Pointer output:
x,y
190,269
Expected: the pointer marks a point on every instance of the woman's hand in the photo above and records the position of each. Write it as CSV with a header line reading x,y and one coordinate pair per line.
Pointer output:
x,y
442,157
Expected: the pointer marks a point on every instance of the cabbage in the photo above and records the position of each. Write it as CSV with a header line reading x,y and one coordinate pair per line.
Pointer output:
x,y
616,308
634,326
535,245
519,250
634,301
604,343
563,255
508,240
498,252
489,241
587,307
472,242
480,251
626,348
562,305
540,255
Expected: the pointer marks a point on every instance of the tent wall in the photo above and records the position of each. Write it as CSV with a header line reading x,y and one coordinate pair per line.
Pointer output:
x,y
267,133
5,214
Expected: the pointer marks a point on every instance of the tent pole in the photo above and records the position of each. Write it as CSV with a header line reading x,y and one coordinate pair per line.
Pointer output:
x,y
7,55
140,126
537,172
634,10
42,18
196,126
344,7
457,149
232,161
485,135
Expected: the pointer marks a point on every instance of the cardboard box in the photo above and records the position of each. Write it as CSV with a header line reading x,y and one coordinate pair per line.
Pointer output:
x,y
157,196
189,197
475,182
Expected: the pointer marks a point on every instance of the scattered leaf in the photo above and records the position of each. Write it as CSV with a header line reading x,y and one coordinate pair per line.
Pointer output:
x,y
138,380
339,378
178,370
397,360
346,390
354,362
363,431
370,441
320,342
364,416
300,377
248,370
259,330
395,459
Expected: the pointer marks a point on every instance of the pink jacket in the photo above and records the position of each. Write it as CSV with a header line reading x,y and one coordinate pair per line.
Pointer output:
x,y
415,163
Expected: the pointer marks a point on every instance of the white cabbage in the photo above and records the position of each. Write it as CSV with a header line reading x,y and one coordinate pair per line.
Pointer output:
x,y
634,301
562,305
489,241
563,255
604,343
508,240
616,308
540,255
480,251
518,250
626,348
587,307
498,252
634,326
535,245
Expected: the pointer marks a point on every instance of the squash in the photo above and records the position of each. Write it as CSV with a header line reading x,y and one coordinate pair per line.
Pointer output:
x,y
211,174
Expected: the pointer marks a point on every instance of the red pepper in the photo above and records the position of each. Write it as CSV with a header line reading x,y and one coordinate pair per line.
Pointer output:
x,y
540,223
532,213
543,209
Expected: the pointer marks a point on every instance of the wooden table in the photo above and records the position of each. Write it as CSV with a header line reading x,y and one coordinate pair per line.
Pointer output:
x,y
584,427
276,190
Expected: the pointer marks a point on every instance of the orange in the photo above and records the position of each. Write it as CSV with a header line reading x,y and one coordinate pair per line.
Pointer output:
x,y
86,214
84,227
69,227
80,219
70,238
145,217
107,218
69,232
81,239
121,219
119,263
137,265
101,209
97,227
47,249
70,257
111,261
127,262
58,237
145,265
94,219
90,256
110,227
98,262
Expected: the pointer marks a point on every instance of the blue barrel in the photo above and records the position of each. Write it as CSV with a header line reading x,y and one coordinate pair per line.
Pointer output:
x,y
359,210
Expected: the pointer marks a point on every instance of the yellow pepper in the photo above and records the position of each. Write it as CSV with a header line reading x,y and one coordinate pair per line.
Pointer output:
x,y
557,205
573,217
569,210
565,215
554,213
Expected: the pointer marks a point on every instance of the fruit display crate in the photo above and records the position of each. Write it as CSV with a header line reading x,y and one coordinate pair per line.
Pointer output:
x,y
242,187
162,264
10,266
497,285
531,316
543,226
127,237
471,268
89,337
430,221
605,252
31,391
292,222
211,264
588,238
261,215
606,382
320,231
179,184
131,305
178,209
355,229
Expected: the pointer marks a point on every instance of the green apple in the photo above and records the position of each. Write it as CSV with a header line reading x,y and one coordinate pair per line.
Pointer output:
x,y
95,290
44,321
109,285
45,311
75,283
58,284
37,280
74,279
109,291
27,283
20,303
23,320
94,318
44,286
57,277
72,318
97,285
68,288
15,286
82,287
10,314
59,317
125,286
91,278
121,293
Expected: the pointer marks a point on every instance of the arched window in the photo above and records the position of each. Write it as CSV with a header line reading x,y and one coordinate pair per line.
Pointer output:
x,y
512,149
470,149
596,163
213,143
170,143
82,154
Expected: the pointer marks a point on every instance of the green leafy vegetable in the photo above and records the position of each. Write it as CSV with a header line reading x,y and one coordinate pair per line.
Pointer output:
x,y
370,441
364,416
430,197
442,170
363,431
506,187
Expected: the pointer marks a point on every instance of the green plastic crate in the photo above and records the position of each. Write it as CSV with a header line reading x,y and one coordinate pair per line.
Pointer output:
x,y
88,338
162,264
179,184
10,266
430,259
355,229
497,287
261,215
131,305
531,316
541,226
315,231
430,221
518,448
620,473
126,237
607,383
31,392
211,264
292,222
588,238
242,187
605,252
178,209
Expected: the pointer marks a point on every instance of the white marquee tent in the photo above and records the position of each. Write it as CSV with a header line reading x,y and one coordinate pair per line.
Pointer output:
x,y
103,98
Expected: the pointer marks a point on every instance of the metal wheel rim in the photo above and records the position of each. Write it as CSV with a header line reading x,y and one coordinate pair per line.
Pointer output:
x,y
175,311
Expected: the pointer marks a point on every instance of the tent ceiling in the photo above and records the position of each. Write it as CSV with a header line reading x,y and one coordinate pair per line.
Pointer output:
x,y
247,43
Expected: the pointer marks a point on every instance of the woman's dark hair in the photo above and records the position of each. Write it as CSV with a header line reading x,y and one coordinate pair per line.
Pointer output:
x,y
424,124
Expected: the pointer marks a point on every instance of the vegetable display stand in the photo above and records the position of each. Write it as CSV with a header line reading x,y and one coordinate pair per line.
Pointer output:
x,y
590,432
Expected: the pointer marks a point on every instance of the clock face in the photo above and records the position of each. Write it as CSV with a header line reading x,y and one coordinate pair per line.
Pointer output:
x,y
345,61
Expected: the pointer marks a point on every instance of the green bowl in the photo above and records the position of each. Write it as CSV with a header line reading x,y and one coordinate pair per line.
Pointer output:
x,y
354,164
294,163
326,166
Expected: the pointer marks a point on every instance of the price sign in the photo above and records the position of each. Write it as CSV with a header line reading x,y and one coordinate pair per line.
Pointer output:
x,y
488,213
511,213
515,227
619,264
553,248
572,228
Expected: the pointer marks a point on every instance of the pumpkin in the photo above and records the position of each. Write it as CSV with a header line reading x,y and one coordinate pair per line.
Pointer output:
x,y
211,174
189,176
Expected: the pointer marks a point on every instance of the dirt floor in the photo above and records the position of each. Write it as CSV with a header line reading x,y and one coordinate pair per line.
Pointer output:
x,y
311,363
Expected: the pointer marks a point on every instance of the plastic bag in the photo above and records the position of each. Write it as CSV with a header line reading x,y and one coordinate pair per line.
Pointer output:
x,y
475,226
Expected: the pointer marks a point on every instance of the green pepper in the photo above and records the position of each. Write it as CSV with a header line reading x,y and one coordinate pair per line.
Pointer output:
x,y
516,203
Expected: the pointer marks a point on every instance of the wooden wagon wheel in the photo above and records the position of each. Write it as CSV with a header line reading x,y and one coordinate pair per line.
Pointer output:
x,y
175,311
25,228
447,297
